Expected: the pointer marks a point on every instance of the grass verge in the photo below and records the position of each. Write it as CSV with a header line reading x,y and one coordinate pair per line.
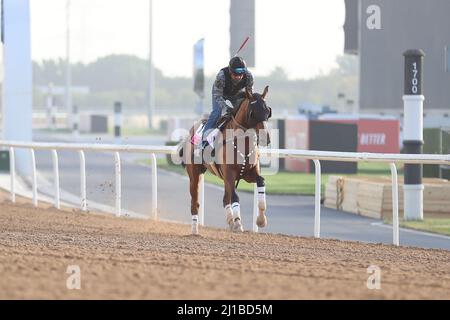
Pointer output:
x,y
131,131
434,225
439,225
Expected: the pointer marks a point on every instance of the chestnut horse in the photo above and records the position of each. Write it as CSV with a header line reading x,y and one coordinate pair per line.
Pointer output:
x,y
235,156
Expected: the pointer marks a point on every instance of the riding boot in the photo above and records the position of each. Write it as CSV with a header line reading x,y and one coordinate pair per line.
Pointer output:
x,y
207,154
204,145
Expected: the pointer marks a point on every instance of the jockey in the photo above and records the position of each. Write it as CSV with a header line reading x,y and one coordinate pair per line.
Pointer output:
x,y
229,85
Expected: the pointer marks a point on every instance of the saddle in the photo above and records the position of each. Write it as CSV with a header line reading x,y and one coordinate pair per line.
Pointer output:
x,y
196,140
196,137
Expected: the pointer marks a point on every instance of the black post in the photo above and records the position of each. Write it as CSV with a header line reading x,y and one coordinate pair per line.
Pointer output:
x,y
117,120
75,121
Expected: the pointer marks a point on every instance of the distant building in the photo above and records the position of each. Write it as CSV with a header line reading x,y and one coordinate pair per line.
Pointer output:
x,y
379,31
242,25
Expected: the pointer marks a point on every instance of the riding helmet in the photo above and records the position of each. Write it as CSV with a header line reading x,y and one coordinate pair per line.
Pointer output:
x,y
237,65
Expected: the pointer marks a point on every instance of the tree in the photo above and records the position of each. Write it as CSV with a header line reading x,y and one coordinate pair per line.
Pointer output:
x,y
125,78
278,74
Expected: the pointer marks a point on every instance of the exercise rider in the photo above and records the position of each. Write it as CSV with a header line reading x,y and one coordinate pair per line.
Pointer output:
x,y
229,85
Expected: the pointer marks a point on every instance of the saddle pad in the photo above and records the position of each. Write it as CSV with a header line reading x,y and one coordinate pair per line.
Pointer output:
x,y
212,136
196,139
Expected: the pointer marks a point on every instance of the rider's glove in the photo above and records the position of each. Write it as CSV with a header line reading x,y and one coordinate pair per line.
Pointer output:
x,y
228,106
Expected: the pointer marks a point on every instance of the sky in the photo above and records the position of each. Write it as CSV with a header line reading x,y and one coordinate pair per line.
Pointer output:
x,y
301,36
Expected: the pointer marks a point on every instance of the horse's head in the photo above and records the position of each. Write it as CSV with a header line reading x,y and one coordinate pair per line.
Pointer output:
x,y
258,113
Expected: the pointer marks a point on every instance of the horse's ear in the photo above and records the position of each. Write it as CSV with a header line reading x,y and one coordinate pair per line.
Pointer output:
x,y
266,89
248,94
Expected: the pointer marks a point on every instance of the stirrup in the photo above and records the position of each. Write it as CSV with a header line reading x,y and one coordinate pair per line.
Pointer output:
x,y
204,145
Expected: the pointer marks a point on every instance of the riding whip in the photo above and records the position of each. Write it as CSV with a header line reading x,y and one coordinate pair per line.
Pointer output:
x,y
242,46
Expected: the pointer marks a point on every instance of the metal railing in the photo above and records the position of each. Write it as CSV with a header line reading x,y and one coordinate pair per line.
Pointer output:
x,y
316,156
81,148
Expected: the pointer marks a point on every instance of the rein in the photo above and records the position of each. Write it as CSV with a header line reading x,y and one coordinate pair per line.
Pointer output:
x,y
238,124
246,157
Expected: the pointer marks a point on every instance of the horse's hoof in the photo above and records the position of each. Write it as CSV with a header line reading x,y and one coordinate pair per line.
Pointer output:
x,y
237,226
195,230
261,221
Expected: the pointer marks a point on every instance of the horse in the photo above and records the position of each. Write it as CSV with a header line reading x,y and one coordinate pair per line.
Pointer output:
x,y
234,157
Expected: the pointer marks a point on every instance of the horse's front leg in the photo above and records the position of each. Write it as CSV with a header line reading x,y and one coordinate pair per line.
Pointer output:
x,y
252,177
231,204
261,220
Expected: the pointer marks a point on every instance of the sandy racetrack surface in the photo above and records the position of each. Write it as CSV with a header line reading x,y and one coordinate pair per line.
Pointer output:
x,y
123,258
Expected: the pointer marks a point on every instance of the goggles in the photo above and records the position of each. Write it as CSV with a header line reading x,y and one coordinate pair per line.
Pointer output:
x,y
238,70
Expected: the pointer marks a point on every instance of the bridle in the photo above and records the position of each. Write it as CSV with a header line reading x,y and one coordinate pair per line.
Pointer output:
x,y
254,148
239,125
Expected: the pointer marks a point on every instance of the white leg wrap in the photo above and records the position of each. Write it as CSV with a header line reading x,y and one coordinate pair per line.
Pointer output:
x,y
262,198
236,210
195,224
229,213
236,225
261,192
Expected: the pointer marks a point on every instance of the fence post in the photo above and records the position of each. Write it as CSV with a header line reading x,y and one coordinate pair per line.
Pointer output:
x,y
202,200
56,178
12,173
154,188
34,178
83,180
317,199
395,230
118,183
255,208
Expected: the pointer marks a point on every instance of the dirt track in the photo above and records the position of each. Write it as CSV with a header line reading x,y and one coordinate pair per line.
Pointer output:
x,y
122,258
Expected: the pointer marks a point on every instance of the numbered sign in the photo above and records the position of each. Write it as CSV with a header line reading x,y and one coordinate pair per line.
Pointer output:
x,y
413,72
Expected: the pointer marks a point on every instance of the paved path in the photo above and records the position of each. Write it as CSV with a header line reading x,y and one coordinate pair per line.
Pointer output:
x,y
292,215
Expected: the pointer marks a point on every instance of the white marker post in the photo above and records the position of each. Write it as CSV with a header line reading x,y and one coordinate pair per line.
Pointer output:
x,y
413,133
50,110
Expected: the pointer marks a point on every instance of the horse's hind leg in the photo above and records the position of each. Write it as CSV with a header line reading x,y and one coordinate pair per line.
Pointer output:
x,y
194,172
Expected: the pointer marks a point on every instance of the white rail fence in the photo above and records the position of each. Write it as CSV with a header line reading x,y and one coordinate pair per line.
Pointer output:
x,y
316,156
